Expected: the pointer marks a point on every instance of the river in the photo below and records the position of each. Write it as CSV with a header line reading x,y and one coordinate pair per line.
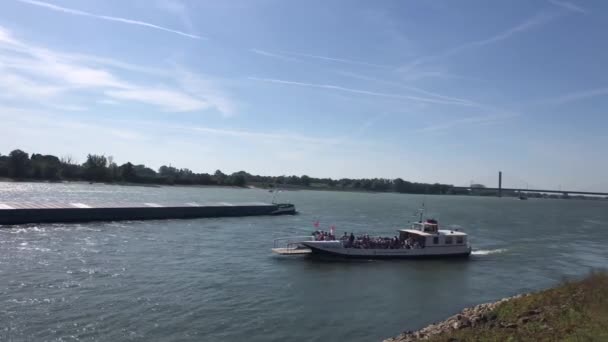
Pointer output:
x,y
216,279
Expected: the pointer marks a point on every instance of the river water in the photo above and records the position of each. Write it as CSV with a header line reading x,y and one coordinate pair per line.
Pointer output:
x,y
216,279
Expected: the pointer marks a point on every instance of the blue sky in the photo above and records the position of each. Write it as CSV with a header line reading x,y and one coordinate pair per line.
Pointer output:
x,y
432,91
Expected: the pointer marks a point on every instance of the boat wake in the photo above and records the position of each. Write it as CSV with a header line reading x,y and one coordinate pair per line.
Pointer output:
x,y
488,251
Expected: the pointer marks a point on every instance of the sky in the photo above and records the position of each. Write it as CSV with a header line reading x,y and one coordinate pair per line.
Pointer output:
x,y
428,91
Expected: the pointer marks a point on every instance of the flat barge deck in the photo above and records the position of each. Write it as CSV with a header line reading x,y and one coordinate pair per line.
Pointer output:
x,y
13,213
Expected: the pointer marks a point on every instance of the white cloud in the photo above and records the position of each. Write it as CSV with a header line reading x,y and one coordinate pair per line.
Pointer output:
x,y
410,88
15,87
283,55
105,17
166,99
335,59
29,71
108,102
5,36
528,24
569,6
293,137
200,87
176,8
273,55
579,95
361,92
469,121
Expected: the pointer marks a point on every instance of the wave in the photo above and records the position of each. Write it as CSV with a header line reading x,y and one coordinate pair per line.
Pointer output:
x,y
489,251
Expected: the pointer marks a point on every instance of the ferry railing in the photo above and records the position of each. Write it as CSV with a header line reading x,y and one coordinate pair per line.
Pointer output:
x,y
292,241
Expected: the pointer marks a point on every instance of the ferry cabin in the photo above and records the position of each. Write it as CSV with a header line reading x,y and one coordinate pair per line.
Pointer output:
x,y
427,234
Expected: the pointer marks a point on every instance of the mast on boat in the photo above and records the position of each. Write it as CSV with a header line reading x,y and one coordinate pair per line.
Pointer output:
x,y
275,192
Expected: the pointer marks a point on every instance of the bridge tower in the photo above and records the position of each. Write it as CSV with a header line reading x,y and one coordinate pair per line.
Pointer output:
x,y
499,183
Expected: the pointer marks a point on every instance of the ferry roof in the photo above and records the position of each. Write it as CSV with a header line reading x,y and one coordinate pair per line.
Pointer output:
x,y
451,232
415,231
441,232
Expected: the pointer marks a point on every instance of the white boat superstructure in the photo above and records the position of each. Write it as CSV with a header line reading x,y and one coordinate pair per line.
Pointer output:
x,y
422,239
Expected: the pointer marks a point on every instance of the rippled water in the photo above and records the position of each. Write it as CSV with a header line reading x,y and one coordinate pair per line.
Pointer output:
x,y
216,280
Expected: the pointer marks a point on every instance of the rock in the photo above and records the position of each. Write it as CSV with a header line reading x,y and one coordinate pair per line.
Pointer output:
x,y
524,320
491,316
472,316
463,323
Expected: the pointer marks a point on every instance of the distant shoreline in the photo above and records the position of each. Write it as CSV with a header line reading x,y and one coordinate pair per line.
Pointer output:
x,y
281,187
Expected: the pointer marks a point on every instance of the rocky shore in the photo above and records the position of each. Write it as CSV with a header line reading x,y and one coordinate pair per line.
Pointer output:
x,y
467,318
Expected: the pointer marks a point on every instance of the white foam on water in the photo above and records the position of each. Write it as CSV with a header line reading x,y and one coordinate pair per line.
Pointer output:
x,y
488,251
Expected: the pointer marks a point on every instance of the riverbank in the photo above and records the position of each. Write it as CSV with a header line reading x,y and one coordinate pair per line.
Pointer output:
x,y
573,311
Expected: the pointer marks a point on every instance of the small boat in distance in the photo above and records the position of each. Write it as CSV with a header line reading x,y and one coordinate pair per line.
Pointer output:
x,y
282,208
422,239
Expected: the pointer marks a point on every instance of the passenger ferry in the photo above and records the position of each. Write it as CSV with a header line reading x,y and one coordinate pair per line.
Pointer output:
x,y
422,239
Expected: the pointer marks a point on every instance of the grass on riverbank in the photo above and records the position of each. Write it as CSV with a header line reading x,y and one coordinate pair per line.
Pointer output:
x,y
572,311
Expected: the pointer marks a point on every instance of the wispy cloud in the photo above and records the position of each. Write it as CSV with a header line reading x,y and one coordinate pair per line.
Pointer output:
x,y
569,6
273,55
17,87
107,18
293,137
530,23
167,100
335,59
579,95
469,121
177,8
359,91
285,55
30,71
409,88
537,20
202,87
108,102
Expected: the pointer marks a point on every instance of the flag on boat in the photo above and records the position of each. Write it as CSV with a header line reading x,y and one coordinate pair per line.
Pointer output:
x,y
316,224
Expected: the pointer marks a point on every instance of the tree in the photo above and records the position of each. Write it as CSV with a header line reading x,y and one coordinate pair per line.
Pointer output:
x,y
399,185
305,180
167,171
95,168
143,171
45,166
18,163
69,168
238,179
219,177
4,166
127,172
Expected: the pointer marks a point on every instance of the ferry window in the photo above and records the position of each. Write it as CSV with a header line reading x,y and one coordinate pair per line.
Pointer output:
x,y
448,240
435,240
459,239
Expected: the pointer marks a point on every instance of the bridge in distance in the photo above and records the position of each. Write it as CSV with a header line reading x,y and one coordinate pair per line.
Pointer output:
x,y
500,189
563,192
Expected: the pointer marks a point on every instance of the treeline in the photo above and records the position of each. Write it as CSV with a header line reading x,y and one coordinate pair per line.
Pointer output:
x,y
100,168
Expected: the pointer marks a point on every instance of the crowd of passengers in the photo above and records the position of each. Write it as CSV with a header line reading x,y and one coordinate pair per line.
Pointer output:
x,y
366,241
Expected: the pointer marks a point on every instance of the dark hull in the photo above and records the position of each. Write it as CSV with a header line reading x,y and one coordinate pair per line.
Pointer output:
x,y
66,214
317,252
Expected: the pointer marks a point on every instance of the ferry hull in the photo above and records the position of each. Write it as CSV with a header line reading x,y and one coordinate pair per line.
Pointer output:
x,y
352,253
